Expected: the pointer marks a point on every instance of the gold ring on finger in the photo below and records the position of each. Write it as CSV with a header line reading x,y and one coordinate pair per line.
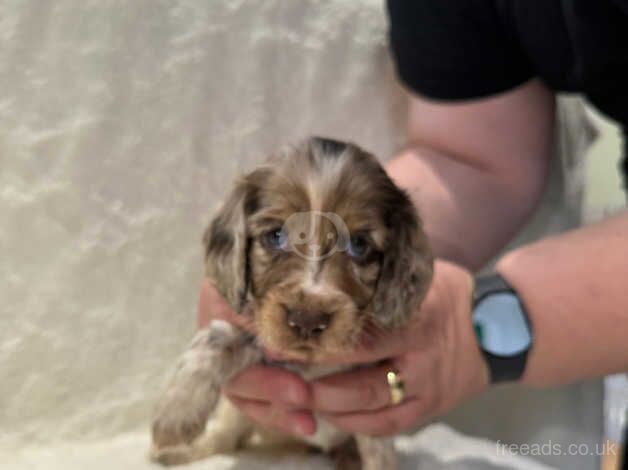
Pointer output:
x,y
396,385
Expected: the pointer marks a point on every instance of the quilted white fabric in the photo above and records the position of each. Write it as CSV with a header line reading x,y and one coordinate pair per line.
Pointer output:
x,y
437,447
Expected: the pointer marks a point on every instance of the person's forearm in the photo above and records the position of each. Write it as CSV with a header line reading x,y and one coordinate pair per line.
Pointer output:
x,y
469,213
476,168
575,289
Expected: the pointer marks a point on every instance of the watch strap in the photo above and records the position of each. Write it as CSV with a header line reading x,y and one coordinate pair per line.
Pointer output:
x,y
505,369
501,368
489,284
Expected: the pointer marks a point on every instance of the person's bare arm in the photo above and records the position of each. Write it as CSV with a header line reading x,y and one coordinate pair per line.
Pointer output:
x,y
574,288
476,169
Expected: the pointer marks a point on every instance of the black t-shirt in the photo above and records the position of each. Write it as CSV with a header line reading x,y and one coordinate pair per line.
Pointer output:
x,y
463,49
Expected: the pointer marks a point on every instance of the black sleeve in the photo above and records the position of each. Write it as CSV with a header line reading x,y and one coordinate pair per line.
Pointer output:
x,y
624,172
454,49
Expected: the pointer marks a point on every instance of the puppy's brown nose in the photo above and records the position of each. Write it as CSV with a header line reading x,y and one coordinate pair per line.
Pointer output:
x,y
307,324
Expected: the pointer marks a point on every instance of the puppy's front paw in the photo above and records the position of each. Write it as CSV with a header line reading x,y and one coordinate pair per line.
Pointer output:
x,y
178,421
172,455
225,432
182,411
216,353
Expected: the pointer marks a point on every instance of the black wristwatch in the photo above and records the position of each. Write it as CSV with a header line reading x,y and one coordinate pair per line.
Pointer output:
x,y
502,328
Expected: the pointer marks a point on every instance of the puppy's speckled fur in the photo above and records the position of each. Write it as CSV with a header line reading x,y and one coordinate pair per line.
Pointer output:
x,y
320,195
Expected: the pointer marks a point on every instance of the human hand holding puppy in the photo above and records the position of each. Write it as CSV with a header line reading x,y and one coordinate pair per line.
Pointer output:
x,y
436,355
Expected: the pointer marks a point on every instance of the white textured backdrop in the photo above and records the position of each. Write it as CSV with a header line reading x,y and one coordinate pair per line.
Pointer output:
x,y
121,125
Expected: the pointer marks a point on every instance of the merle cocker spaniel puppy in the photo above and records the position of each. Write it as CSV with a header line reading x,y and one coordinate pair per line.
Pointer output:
x,y
320,247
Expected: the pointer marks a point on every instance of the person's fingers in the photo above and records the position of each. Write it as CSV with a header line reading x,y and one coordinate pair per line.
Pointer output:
x,y
357,390
383,422
288,421
212,306
271,384
367,389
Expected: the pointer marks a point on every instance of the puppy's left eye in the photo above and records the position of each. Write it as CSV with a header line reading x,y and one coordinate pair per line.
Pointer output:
x,y
276,239
359,247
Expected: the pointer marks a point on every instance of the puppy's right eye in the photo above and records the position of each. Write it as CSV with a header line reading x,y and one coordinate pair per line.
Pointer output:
x,y
359,247
276,239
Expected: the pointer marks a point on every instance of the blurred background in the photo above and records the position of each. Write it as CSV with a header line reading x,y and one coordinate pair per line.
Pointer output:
x,y
603,192
121,126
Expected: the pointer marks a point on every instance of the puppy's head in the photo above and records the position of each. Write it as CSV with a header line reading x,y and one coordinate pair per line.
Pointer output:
x,y
320,244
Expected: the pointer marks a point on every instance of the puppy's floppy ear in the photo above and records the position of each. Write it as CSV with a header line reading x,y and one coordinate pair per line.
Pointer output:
x,y
406,267
226,242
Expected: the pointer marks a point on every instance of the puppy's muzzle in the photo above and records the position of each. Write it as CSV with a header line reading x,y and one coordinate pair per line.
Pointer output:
x,y
306,324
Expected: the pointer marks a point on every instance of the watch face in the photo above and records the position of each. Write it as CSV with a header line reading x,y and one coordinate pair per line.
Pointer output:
x,y
501,326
